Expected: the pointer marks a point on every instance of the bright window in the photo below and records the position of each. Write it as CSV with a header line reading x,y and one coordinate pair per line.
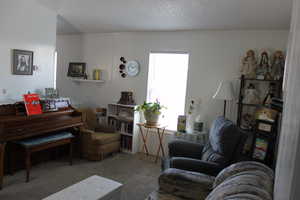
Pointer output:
x,y
167,81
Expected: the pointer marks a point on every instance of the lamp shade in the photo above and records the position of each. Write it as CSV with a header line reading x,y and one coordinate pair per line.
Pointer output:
x,y
224,91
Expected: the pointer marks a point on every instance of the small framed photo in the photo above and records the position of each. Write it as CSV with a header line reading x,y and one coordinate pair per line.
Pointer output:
x,y
264,127
22,62
76,69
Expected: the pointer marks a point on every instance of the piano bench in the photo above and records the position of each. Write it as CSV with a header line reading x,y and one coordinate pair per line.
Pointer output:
x,y
42,143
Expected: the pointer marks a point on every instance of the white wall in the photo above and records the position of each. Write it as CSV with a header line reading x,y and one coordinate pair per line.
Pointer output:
x,y
69,49
28,26
214,56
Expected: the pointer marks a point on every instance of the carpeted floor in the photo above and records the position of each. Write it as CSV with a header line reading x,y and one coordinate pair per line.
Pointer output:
x,y
137,173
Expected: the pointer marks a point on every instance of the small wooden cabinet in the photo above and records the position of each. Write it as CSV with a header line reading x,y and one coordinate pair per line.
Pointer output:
x,y
124,119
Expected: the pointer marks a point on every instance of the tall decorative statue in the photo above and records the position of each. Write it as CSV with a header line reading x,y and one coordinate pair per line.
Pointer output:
x,y
263,70
278,65
249,64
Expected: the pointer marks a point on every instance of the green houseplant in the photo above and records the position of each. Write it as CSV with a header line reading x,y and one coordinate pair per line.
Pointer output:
x,y
151,111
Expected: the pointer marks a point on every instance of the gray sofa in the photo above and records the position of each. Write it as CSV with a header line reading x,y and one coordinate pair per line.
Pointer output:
x,y
224,147
241,181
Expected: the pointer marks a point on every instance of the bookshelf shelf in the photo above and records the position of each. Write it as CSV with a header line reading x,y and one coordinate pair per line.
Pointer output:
x,y
127,134
124,119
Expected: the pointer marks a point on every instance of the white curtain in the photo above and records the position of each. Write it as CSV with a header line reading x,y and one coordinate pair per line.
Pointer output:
x,y
288,163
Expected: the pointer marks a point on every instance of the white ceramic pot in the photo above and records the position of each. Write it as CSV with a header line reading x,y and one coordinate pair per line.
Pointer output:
x,y
151,118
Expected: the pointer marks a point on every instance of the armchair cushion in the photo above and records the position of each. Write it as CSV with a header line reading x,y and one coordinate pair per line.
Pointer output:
x,y
224,138
179,148
185,184
105,138
195,165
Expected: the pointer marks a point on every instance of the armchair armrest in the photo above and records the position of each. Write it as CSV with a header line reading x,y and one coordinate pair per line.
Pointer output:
x,y
185,184
86,132
185,149
195,165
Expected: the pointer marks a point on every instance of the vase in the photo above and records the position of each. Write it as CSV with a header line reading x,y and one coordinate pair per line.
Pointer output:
x,y
97,74
151,118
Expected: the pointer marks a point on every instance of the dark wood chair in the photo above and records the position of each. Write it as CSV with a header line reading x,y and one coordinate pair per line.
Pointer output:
x,y
42,143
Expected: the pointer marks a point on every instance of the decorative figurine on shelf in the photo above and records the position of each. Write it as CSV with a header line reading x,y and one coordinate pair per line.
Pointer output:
x,y
270,94
263,71
251,95
249,65
278,65
266,114
126,98
247,122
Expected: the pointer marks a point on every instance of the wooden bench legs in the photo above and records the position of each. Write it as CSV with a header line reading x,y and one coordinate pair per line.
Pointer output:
x,y
2,151
71,154
30,150
28,164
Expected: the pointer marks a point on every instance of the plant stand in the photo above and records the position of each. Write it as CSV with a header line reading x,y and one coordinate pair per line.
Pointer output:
x,y
160,130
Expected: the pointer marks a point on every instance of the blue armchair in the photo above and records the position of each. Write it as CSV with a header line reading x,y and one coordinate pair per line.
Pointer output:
x,y
224,147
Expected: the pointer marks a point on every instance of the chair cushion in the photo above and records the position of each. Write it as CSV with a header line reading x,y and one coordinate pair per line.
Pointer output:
x,y
224,137
105,138
46,139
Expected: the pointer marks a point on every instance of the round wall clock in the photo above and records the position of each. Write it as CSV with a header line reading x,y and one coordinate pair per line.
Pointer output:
x,y
132,68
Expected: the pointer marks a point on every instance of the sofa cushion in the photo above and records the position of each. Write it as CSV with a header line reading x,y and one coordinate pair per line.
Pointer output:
x,y
105,138
245,166
243,196
244,180
230,188
224,137
185,184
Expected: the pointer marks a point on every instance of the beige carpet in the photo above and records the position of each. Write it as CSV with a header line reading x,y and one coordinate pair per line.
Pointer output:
x,y
137,173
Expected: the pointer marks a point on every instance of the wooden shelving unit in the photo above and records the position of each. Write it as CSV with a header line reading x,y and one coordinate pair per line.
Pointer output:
x,y
243,108
124,119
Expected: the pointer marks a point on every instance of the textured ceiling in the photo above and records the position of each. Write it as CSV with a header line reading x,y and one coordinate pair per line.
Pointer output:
x,y
154,15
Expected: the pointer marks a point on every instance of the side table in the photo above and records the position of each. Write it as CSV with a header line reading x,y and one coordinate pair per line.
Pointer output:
x,y
160,130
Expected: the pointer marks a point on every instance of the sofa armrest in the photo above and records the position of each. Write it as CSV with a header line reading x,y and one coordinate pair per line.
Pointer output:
x,y
179,148
195,165
185,184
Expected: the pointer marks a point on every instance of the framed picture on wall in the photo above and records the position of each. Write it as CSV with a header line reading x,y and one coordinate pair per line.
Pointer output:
x,y
76,69
22,62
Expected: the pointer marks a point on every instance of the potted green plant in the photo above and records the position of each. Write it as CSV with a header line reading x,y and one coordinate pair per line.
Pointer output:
x,y
151,112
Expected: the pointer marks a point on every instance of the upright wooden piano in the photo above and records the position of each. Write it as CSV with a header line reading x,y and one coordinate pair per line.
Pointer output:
x,y
15,127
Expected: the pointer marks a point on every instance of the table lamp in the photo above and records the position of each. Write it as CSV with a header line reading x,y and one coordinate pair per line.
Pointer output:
x,y
224,92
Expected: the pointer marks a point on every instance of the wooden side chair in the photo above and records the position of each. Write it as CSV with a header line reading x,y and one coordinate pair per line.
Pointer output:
x,y
32,145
